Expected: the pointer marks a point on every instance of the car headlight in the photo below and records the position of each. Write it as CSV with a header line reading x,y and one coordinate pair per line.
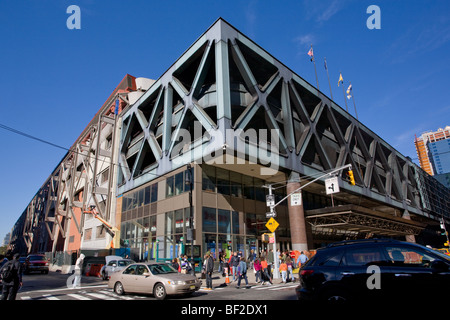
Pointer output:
x,y
176,282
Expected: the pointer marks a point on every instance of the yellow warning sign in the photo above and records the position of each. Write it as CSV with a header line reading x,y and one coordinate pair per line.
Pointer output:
x,y
272,225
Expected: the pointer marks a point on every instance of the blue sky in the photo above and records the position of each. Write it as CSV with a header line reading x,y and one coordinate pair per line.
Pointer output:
x,y
54,79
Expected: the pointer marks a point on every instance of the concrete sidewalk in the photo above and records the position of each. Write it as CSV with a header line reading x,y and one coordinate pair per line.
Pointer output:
x,y
219,281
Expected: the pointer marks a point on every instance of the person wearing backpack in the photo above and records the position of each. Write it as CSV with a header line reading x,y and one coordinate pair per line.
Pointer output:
x,y
242,273
11,274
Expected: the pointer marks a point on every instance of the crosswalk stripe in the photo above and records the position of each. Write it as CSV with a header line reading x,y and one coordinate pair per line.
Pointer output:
x,y
25,298
276,287
78,296
100,296
113,295
50,297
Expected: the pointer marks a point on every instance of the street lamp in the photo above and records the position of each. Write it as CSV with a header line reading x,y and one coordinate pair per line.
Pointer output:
x,y
189,180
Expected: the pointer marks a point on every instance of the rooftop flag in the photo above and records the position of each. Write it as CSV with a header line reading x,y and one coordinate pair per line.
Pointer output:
x,y
349,92
311,53
341,80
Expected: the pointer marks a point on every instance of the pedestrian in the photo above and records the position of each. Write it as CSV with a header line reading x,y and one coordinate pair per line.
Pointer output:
x,y
251,258
270,260
220,263
11,273
234,263
265,272
257,270
175,264
209,270
78,271
283,269
290,269
302,258
242,272
185,266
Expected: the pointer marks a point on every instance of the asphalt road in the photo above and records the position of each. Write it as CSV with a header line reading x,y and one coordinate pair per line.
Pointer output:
x,y
53,286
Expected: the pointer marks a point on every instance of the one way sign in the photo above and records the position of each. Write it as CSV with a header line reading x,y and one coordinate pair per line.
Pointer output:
x,y
332,185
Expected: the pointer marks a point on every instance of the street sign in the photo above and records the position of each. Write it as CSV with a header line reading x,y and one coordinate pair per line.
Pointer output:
x,y
271,214
270,200
332,185
272,225
296,199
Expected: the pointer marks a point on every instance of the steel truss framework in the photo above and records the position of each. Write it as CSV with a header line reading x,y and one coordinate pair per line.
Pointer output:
x,y
86,176
224,82
353,218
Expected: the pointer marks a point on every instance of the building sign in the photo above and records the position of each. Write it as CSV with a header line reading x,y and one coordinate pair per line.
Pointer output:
x,y
332,185
272,225
296,199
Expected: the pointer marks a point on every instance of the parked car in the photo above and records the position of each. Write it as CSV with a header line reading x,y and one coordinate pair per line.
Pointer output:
x,y
114,264
374,269
159,279
36,262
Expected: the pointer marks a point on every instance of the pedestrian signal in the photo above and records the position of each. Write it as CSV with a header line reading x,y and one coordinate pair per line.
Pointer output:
x,y
351,177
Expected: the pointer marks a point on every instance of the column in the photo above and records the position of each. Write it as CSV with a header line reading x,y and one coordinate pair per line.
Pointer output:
x,y
296,217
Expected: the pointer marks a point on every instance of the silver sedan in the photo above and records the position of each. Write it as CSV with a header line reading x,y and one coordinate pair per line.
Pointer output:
x,y
159,279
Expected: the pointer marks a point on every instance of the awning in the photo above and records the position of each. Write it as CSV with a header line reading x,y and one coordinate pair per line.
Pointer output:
x,y
359,219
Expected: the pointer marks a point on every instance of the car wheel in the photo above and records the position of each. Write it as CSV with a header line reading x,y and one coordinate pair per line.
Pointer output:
x,y
159,291
335,296
118,288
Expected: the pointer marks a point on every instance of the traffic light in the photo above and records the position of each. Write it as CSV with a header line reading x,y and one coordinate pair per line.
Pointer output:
x,y
351,177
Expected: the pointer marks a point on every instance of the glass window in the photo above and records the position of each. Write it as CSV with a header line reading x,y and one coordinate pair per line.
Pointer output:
x,y
179,221
409,256
223,221
147,195
260,192
154,193
179,183
235,221
209,219
363,256
169,186
249,191
130,270
223,181
209,178
191,173
250,224
236,184
140,197
169,222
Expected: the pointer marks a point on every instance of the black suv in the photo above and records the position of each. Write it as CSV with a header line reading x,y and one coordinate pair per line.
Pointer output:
x,y
374,269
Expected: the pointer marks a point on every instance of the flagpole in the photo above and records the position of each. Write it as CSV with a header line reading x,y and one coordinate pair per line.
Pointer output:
x,y
329,83
354,104
343,91
315,69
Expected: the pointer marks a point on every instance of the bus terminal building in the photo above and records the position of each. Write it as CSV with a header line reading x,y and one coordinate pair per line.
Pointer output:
x,y
197,150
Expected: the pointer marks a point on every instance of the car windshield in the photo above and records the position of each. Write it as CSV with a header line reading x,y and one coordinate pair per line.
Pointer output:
x,y
161,269
37,258
124,263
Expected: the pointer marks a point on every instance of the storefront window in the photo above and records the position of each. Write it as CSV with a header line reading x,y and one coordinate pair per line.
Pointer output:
x,y
223,221
169,222
179,220
209,219
210,244
225,244
235,221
